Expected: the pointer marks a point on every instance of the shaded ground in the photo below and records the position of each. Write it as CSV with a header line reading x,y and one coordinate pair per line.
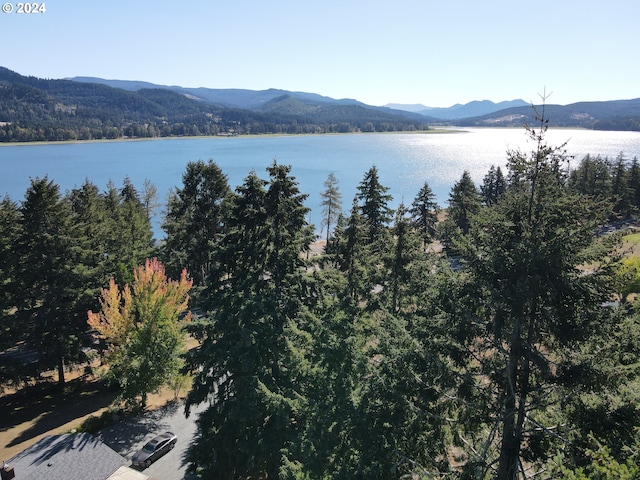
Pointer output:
x,y
36,411
44,409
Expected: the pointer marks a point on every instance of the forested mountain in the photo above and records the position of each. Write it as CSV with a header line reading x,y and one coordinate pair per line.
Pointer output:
x,y
34,109
85,108
228,97
611,115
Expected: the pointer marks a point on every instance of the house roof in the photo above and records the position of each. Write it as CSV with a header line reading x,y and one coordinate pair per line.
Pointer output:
x,y
64,457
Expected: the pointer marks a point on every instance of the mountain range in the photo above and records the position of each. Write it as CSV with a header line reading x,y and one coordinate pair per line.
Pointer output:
x,y
616,114
34,109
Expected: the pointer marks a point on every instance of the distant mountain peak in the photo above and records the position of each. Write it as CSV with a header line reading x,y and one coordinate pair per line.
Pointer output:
x,y
474,108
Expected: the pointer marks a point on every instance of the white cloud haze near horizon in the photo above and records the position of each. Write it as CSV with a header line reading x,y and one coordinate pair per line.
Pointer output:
x,y
435,53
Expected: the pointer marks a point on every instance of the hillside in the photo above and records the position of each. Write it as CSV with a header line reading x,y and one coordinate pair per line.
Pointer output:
x,y
611,115
34,109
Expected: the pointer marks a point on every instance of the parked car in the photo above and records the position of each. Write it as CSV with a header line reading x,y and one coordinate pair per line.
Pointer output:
x,y
154,449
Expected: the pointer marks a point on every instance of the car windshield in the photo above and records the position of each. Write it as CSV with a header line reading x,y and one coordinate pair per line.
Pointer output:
x,y
149,447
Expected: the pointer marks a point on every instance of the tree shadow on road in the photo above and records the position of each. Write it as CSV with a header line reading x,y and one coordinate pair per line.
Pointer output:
x,y
122,436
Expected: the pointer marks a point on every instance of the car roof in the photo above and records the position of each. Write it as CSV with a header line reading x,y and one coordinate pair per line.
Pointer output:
x,y
161,437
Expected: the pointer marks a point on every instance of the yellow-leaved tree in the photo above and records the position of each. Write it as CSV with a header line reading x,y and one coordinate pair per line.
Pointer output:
x,y
142,327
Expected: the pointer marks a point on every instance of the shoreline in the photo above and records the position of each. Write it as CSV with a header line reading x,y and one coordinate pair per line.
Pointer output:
x,y
435,131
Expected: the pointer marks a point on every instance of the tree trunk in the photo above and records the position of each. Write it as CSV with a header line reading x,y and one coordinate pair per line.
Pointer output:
x,y
510,445
61,380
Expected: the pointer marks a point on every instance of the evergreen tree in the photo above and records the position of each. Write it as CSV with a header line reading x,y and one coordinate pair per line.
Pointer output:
x,y
424,211
619,186
49,277
9,232
130,241
89,222
350,252
464,203
374,205
592,177
331,203
532,305
195,220
405,251
249,357
634,183
493,186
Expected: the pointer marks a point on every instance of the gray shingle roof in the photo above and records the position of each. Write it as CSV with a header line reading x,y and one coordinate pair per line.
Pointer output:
x,y
65,457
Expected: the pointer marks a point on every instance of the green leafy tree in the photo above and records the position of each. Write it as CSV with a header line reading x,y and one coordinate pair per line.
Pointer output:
x,y
532,305
142,326
250,357
331,203
195,220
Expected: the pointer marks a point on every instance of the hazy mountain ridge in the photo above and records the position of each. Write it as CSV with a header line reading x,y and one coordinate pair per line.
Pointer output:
x,y
35,109
241,98
607,115
617,114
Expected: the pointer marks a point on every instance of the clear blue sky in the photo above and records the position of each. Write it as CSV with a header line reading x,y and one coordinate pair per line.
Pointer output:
x,y
405,51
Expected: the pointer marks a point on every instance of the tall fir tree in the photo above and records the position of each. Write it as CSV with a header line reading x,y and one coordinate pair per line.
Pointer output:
x,y
10,224
248,357
424,211
493,186
195,220
374,205
464,203
49,277
529,306
130,238
331,203
89,221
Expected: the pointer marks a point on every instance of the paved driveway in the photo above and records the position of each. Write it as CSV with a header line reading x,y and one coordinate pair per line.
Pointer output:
x,y
128,436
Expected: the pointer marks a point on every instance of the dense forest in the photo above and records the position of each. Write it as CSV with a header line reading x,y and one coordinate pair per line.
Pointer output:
x,y
33,109
496,338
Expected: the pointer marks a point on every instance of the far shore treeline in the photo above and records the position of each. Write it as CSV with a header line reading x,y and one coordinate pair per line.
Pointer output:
x,y
36,110
494,338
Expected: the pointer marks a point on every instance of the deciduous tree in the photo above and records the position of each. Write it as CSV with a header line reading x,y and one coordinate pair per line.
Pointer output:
x,y
142,327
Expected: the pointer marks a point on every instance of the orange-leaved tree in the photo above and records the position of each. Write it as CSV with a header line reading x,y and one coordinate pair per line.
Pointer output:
x,y
142,327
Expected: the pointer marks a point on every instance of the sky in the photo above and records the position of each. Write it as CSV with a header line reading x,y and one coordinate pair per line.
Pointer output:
x,y
434,53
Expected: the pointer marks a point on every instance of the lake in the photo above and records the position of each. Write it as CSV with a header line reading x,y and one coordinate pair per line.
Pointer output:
x,y
404,160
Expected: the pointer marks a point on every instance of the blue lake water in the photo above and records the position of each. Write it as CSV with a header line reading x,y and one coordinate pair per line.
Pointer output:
x,y
404,161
